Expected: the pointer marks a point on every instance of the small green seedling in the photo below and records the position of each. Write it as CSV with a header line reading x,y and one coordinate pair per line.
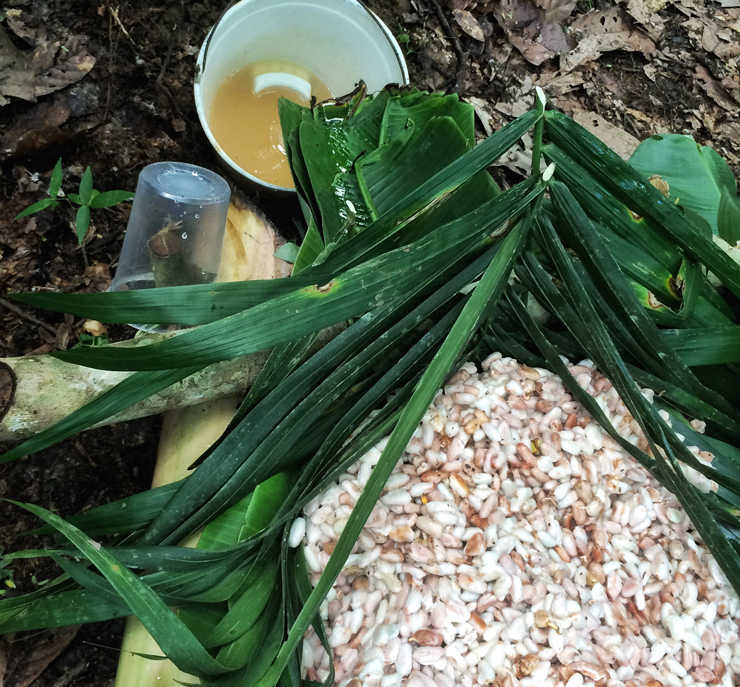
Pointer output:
x,y
87,198
91,340
405,40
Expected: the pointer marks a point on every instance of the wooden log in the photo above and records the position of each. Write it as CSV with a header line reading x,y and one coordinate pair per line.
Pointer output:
x,y
38,391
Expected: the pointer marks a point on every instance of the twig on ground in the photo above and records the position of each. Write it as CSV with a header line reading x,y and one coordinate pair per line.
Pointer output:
x,y
112,48
166,61
71,674
27,316
114,14
460,54
628,119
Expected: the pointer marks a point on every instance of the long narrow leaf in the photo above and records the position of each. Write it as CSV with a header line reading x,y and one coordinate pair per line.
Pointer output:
x,y
187,305
706,346
605,272
308,310
488,291
175,639
76,607
603,207
120,517
640,196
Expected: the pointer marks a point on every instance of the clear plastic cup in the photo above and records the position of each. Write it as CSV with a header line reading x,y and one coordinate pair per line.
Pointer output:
x,y
176,229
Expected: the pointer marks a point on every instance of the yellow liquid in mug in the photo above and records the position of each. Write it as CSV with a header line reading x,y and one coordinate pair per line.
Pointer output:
x,y
246,123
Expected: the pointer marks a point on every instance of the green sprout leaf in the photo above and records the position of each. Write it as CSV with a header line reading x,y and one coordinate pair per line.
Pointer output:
x,y
37,207
86,187
55,184
82,222
110,198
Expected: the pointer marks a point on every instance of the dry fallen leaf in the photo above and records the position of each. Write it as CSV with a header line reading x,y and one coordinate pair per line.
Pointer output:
x,y
519,157
719,42
643,13
617,139
556,11
37,128
63,337
730,131
656,5
56,62
97,277
713,35
604,31
467,22
641,116
691,8
485,117
37,653
715,90
94,328
651,71
16,23
16,74
532,30
554,83
58,65
521,99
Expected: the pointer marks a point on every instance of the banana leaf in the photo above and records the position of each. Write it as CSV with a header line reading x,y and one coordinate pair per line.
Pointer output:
x,y
640,196
696,175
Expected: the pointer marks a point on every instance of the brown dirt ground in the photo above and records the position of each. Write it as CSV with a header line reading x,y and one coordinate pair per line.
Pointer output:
x,y
135,107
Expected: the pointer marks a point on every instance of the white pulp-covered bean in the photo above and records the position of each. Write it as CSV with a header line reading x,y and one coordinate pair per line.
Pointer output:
x,y
512,541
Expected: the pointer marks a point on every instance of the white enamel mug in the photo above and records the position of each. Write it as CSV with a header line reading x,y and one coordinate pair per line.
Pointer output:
x,y
340,41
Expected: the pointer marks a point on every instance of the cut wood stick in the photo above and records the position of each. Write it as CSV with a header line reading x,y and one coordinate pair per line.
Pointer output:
x,y
186,434
248,253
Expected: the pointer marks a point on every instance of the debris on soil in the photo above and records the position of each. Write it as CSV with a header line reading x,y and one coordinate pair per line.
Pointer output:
x,y
727,98
468,23
16,75
644,66
28,658
52,64
536,30
604,31
617,139
36,129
